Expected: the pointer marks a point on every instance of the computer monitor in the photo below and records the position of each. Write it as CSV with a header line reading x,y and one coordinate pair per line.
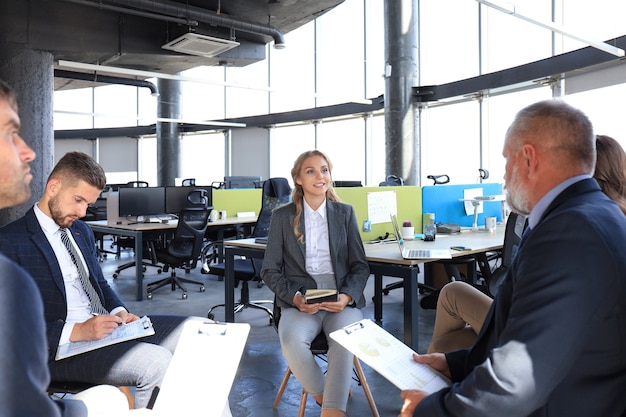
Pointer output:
x,y
141,201
347,184
176,197
250,181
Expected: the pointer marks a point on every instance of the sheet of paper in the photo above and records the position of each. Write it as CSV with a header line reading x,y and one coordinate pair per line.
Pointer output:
x,y
134,330
380,205
388,356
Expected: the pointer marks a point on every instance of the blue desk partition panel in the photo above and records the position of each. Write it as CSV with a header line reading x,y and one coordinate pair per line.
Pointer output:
x,y
443,200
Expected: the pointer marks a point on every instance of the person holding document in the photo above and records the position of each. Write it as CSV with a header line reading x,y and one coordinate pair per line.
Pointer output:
x,y
58,250
553,340
314,242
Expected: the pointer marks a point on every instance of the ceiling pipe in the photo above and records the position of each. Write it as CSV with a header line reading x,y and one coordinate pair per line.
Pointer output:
x,y
171,9
149,15
107,79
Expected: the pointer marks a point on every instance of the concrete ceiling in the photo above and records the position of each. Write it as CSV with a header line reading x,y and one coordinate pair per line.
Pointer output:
x,y
130,33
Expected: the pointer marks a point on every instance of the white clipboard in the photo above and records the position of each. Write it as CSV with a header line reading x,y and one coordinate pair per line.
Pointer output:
x,y
128,331
388,356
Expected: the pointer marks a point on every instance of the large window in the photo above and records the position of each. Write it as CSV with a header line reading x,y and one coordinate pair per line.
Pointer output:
x,y
339,57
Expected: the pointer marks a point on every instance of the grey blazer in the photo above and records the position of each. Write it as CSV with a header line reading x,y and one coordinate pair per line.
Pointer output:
x,y
284,269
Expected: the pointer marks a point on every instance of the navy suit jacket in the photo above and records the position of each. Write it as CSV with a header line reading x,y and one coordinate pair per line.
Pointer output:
x,y
284,269
25,242
25,376
554,341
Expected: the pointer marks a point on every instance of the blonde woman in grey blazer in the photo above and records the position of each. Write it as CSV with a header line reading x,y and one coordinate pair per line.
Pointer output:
x,y
314,242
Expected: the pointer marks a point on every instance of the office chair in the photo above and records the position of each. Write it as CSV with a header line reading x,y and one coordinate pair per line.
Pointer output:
x,y
98,211
391,180
488,276
319,348
189,182
515,226
276,192
437,179
183,251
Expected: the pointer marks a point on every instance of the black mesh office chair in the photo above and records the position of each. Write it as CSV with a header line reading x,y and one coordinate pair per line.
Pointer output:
x,y
491,267
319,348
492,275
276,192
437,179
391,180
183,251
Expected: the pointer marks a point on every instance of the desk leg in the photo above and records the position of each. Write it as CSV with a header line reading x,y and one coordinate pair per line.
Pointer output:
x,y
229,285
378,298
139,265
411,309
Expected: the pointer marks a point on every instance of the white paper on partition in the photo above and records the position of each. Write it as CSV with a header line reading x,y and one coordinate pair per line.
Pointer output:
x,y
388,356
468,194
380,205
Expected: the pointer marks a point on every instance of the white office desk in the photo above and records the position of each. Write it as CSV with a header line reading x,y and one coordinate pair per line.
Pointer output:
x,y
202,371
137,231
384,260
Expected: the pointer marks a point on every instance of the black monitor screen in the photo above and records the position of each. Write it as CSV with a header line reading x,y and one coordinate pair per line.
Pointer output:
x,y
242,182
176,197
142,201
348,184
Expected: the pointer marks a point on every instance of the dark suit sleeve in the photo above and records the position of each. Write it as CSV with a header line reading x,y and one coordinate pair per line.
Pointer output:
x,y
23,350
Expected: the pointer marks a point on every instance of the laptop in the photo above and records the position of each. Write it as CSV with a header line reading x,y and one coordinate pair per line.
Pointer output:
x,y
414,253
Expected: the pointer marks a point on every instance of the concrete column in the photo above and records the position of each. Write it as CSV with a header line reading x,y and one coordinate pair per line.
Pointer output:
x,y
30,73
168,133
401,117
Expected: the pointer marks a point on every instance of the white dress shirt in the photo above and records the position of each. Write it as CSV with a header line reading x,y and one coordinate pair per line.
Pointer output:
x,y
318,259
78,306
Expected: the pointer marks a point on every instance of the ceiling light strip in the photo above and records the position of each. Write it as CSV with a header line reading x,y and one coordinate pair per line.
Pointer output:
x,y
510,9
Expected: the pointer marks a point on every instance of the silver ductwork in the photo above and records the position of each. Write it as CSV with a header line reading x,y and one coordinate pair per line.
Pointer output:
x,y
172,11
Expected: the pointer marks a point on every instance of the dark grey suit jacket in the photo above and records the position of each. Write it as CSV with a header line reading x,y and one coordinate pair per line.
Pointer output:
x,y
284,269
554,341
25,242
25,377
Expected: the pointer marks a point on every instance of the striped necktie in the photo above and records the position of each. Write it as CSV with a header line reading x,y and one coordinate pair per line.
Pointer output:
x,y
94,299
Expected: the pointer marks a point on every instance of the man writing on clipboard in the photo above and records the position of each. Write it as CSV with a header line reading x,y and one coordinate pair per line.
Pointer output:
x,y
58,250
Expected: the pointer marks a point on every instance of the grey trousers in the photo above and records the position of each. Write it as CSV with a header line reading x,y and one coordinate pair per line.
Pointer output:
x,y
141,363
296,332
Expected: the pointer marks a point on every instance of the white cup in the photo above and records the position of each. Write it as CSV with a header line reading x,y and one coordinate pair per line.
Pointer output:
x,y
408,232
214,215
223,214
490,223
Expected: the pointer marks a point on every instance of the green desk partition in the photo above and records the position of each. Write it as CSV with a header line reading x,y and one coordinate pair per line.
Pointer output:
x,y
237,200
408,200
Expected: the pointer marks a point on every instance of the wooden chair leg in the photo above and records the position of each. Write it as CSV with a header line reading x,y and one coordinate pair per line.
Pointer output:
x,y
366,387
303,398
129,397
282,387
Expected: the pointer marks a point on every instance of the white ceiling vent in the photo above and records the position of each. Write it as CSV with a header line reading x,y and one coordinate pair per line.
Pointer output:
x,y
202,45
